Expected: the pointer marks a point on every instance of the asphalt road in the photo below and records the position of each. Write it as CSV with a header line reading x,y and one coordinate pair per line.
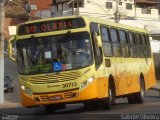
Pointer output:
x,y
122,110
10,68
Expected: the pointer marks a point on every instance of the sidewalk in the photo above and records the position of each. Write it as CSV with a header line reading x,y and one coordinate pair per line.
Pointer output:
x,y
9,105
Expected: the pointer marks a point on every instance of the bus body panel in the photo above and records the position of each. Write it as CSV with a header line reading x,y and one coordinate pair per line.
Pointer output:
x,y
93,91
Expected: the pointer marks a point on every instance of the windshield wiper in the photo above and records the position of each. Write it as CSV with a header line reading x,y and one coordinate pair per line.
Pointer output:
x,y
67,35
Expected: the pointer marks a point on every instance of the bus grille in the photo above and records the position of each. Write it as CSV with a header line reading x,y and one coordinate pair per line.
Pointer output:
x,y
66,95
53,78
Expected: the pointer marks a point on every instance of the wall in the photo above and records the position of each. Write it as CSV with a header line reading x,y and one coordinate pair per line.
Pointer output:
x,y
43,8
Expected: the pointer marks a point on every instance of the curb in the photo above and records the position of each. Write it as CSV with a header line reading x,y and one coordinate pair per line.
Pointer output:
x,y
156,89
10,105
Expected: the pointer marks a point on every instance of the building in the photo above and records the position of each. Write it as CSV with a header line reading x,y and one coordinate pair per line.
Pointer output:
x,y
40,9
16,14
137,13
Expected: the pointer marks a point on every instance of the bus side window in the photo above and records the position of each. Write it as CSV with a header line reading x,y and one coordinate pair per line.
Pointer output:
x,y
115,42
124,43
132,43
147,46
107,47
144,46
139,45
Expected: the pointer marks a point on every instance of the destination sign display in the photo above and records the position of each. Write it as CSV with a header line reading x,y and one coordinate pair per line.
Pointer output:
x,y
49,26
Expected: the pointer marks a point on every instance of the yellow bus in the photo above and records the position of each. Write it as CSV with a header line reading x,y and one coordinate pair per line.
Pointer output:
x,y
80,59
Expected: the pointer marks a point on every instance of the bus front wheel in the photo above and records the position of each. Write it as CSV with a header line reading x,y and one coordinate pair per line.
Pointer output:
x,y
107,102
140,95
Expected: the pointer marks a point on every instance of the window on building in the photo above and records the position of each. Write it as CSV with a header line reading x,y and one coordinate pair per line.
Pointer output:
x,y
146,10
109,5
120,3
77,4
128,6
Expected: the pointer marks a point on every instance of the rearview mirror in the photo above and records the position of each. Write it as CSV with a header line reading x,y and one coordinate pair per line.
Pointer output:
x,y
97,40
12,52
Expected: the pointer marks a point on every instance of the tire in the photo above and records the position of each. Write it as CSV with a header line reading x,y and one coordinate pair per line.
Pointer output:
x,y
137,98
107,102
140,95
131,98
50,109
92,104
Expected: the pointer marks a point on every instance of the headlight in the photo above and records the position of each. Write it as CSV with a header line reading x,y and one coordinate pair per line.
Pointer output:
x,y
23,87
86,82
90,80
27,90
83,84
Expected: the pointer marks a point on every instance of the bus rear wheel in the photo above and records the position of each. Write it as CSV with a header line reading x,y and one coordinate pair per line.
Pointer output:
x,y
50,109
137,97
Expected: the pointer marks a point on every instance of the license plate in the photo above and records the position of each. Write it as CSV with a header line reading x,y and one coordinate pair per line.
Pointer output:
x,y
56,97
5,88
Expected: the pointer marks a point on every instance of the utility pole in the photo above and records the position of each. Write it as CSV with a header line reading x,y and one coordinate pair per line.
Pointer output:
x,y
2,17
117,12
72,6
135,5
28,9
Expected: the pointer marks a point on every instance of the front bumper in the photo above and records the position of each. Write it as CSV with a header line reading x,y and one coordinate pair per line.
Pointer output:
x,y
76,95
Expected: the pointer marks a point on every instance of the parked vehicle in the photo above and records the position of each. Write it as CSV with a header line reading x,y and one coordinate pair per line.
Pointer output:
x,y
8,84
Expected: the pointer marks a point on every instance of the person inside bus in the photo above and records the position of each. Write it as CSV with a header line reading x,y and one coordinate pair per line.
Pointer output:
x,y
83,53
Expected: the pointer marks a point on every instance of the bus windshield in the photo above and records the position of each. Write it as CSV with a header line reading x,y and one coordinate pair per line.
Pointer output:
x,y
38,55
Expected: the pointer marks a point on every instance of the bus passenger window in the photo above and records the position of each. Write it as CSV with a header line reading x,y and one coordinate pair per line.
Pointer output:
x,y
107,47
143,40
113,33
147,46
115,44
105,35
122,36
124,45
116,50
133,48
139,45
138,40
125,50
